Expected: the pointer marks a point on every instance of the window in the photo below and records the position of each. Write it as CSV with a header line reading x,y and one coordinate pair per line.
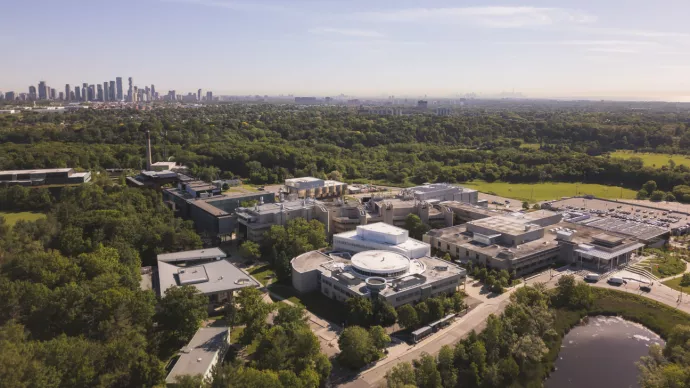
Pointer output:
x,y
448,247
438,244
457,250
467,253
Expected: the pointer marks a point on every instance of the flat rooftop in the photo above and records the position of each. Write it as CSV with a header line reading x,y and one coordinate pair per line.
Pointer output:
x,y
466,207
434,187
635,229
197,357
382,227
277,207
503,224
409,244
199,254
208,278
35,171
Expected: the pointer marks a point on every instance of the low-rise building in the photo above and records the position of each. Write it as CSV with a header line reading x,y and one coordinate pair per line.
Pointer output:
x,y
42,177
310,187
375,274
380,236
438,192
205,269
528,242
206,349
255,221
213,213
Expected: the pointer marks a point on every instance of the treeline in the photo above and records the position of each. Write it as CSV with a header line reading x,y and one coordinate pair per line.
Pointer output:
x,y
268,143
72,313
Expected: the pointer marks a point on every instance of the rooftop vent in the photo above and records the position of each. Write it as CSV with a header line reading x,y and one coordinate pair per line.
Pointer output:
x,y
441,268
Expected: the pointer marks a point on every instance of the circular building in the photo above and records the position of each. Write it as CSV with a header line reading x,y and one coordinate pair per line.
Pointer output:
x,y
384,264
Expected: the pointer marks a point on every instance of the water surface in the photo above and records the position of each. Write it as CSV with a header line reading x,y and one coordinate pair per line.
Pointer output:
x,y
602,354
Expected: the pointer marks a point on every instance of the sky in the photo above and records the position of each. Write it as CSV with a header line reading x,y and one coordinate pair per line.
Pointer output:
x,y
618,49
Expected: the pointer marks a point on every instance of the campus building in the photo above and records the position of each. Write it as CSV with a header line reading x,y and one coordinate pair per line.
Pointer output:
x,y
208,347
528,242
441,192
310,187
380,236
43,177
205,269
375,274
213,212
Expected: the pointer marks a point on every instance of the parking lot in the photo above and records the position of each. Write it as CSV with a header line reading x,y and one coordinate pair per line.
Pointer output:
x,y
624,211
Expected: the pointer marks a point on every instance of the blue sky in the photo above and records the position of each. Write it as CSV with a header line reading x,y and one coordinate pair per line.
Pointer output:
x,y
558,48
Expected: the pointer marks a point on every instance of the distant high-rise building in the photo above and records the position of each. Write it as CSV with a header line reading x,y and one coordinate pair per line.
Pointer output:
x,y
71,96
92,92
209,96
198,95
43,90
119,88
133,91
130,91
422,104
85,91
77,93
32,92
99,92
53,93
106,91
172,95
9,96
68,93
113,91
153,91
61,96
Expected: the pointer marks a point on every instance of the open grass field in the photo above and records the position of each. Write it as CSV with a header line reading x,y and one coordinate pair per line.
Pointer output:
x,y
548,191
12,218
653,159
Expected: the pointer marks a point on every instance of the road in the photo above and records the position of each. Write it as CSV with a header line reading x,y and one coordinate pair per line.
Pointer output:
x,y
473,320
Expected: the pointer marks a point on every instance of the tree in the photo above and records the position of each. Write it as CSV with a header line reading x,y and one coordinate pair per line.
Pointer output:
x,y
426,373
657,196
250,250
189,381
282,267
359,311
685,280
670,197
447,257
536,206
649,187
525,205
379,337
415,226
356,348
181,312
401,376
436,308
252,313
384,313
642,194
289,314
446,367
407,316
422,310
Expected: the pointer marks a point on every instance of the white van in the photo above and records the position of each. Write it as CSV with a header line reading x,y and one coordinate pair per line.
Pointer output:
x,y
592,277
616,281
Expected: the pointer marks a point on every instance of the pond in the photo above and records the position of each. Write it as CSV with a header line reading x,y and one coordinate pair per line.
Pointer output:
x,y
602,354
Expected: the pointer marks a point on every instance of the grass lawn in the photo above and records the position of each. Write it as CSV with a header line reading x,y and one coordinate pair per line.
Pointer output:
x,y
314,302
675,284
653,159
12,218
531,146
235,335
264,274
547,191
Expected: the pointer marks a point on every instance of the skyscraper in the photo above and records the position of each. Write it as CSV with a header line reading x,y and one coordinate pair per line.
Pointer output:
x,y
68,93
71,96
53,93
99,93
119,88
42,90
92,92
9,96
133,91
130,90
209,96
106,91
85,91
32,92
153,91
62,96
113,91
198,95
77,93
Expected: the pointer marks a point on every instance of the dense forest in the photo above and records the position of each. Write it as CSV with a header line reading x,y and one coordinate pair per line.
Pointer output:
x,y
267,143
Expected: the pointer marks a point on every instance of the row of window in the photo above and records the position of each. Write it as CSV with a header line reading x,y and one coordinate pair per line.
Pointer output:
x,y
444,284
410,295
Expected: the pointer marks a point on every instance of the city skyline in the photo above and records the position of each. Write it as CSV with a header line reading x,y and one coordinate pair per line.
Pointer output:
x,y
566,48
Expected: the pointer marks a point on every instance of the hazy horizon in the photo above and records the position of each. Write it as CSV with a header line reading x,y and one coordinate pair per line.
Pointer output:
x,y
566,49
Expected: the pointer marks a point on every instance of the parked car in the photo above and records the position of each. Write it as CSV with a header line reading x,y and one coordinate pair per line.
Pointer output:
x,y
646,288
616,281
592,277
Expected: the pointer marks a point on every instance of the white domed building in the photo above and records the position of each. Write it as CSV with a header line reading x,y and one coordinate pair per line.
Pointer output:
x,y
391,275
